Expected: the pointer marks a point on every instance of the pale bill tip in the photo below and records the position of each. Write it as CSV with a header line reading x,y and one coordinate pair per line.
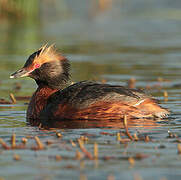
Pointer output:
x,y
11,77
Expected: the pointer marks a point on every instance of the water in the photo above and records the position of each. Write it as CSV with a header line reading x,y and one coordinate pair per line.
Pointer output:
x,y
113,42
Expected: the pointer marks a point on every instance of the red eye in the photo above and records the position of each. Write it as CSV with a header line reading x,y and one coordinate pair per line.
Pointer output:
x,y
37,66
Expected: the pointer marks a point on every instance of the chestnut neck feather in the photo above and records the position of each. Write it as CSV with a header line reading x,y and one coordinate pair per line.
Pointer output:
x,y
37,103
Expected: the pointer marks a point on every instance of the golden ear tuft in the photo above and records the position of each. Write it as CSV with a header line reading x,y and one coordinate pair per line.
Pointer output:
x,y
45,49
51,48
45,45
48,54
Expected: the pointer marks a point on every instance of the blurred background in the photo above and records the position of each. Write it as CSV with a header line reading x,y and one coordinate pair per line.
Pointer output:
x,y
111,41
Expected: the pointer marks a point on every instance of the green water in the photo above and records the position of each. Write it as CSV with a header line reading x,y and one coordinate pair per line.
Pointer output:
x,y
116,41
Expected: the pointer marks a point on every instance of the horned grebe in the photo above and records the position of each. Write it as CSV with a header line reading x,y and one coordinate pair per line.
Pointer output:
x,y
81,101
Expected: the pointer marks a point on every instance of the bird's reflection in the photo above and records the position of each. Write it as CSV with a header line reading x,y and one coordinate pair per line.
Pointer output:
x,y
112,124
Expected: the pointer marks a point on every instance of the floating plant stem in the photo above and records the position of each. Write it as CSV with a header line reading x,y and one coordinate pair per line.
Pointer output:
x,y
84,150
95,150
39,143
3,144
84,138
126,128
131,83
131,161
118,136
59,135
24,140
78,155
72,143
13,141
58,158
13,99
16,157
179,148
165,94
136,137
147,139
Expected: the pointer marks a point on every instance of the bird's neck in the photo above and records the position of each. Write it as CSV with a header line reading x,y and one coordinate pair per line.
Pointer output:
x,y
37,103
53,84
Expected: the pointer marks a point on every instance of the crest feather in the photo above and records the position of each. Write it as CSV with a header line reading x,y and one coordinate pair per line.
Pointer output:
x,y
43,48
47,54
51,48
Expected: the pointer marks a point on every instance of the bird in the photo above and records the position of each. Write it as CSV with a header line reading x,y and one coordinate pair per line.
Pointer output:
x,y
56,100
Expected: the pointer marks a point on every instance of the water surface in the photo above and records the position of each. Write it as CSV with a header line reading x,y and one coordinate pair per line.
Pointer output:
x,y
113,43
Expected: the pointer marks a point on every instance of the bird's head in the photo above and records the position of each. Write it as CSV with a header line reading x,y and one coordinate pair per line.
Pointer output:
x,y
47,67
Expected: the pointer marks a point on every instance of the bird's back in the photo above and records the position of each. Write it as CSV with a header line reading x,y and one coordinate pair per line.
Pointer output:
x,y
90,100
85,93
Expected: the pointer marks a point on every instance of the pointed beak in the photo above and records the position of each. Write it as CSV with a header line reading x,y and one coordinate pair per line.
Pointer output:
x,y
20,73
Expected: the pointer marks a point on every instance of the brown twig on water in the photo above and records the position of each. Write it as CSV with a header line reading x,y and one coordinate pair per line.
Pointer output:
x,y
136,137
131,83
13,141
49,142
118,136
3,144
140,156
131,161
59,135
125,140
95,150
179,148
3,101
24,140
72,143
13,99
84,150
39,143
84,138
58,158
107,133
147,139
126,127
103,81
165,94
16,157
22,145
172,135
78,155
